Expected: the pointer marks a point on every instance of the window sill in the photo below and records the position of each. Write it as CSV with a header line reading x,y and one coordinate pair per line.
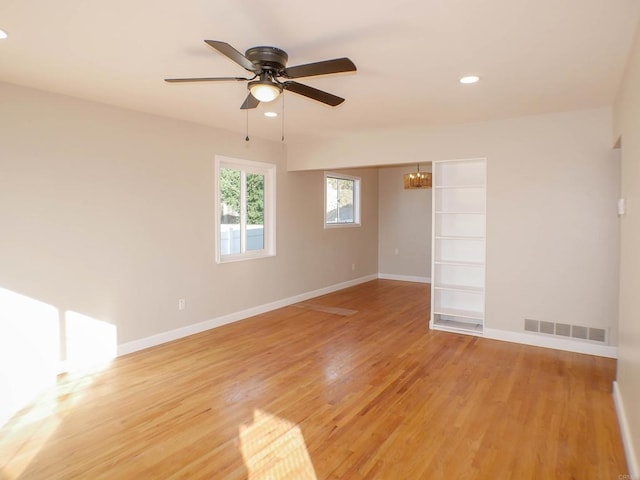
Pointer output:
x,y
243,257
341,225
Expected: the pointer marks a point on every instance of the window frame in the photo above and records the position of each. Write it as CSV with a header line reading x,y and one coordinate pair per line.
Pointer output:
x,y
247,167
356,200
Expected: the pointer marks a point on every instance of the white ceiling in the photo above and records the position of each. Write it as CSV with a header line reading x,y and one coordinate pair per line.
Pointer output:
x,y
534,56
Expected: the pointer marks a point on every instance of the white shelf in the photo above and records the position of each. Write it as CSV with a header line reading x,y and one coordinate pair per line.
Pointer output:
x,y
468,250
460,198
459,275
457,326
459,263
460,237
474,185
459,247
458,212
459,288
459,172
454,312
460,303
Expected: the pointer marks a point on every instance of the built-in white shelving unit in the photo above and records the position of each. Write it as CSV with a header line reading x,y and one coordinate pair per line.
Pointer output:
x,y
458,269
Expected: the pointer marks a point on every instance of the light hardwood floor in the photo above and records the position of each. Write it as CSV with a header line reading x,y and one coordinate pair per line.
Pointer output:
x,y
350,385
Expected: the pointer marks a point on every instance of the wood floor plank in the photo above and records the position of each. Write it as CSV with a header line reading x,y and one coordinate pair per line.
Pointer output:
x,y
351,385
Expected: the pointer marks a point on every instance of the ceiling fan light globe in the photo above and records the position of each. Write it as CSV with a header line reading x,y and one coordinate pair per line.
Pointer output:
x,y
264,91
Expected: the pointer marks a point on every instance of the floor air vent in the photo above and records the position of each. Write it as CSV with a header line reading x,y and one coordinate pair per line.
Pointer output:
x,y
566,330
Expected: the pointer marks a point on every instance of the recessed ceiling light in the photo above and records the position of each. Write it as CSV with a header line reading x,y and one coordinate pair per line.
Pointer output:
x,y
470,79
270,114
3,34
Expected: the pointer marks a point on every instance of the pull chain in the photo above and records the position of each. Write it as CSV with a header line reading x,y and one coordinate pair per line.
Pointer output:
x,y
247,137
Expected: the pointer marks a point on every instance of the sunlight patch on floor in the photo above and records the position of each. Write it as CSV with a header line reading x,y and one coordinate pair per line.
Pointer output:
x,y
35,426
274,448
34,338
15,462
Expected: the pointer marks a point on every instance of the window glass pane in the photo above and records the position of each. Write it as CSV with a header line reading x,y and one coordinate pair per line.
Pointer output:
x,y
332,200
245,202
345,201
342,201
255,211
229,211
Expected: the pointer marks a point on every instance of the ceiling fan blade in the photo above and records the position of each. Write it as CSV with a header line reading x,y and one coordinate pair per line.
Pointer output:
x,y
337,65
313,93
207,79
227,50
250,102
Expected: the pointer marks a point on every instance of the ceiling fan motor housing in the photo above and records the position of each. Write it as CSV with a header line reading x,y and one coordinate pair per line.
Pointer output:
x,y
268,58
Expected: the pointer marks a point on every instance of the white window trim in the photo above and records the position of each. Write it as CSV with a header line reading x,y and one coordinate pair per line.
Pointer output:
x,y
356,201
247,166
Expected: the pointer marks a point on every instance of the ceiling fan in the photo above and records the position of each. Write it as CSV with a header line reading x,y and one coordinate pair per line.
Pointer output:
x,y
268,65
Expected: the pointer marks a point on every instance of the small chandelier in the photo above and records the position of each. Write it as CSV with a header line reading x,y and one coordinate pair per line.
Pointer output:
x,y
417,180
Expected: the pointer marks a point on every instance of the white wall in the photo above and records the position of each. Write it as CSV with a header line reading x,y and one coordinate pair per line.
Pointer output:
x,y
404,226
109,213
627,127
552,229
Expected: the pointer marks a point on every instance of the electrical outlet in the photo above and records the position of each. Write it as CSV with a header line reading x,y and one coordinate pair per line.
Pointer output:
x,y
396,251
353,267
182,304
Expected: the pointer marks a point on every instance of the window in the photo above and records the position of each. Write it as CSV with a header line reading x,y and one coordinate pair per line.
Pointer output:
x,y
341,200
245,209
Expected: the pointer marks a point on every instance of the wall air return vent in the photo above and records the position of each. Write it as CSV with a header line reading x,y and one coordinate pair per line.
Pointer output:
x,y
566,330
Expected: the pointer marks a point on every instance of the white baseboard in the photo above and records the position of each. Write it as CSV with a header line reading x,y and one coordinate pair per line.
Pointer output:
x,y
404,278
177,333
552,342
505,335
625,431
